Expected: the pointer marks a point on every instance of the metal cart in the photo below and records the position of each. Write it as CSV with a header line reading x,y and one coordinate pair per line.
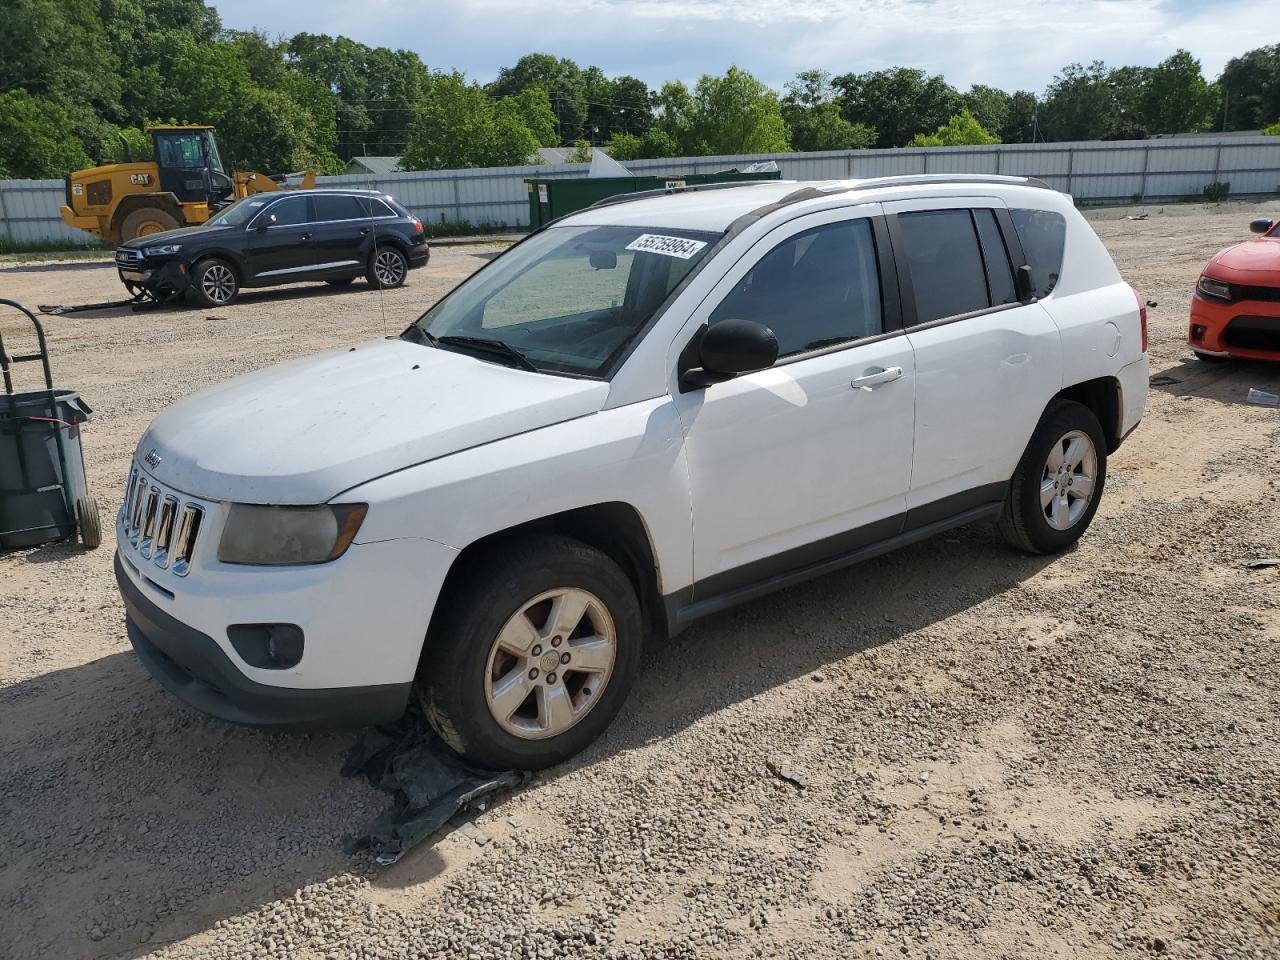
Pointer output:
x,y
44,493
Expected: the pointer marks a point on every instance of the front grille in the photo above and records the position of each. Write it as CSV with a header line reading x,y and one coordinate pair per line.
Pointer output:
x,y
1266,294
160,525
128,258
1253,333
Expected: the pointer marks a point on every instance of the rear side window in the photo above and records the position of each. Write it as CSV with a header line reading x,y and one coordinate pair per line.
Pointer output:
x,y
816,289
948,276
1042,233
996,257
330,207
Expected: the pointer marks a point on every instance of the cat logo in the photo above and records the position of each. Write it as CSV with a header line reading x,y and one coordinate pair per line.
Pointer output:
x,y
140,179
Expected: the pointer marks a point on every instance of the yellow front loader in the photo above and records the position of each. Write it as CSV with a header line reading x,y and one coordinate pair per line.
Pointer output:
x,y
182,185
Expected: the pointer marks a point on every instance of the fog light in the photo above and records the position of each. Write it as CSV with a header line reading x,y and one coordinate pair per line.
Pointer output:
x,y
268,646
1197,332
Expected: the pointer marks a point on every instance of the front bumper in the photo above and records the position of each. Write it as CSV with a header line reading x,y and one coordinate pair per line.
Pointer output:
x,y
192,666
1246,329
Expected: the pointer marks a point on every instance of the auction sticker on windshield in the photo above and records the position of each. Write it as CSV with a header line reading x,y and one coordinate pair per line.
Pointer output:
x,y
667,246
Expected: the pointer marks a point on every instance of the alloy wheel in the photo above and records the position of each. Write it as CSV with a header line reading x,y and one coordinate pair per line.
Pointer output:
x,y
550,663
389,268
218,283
1068,480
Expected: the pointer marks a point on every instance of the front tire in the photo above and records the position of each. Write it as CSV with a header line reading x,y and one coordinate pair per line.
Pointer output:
x,y
214,283
533,654
1058,484
387,268
146,221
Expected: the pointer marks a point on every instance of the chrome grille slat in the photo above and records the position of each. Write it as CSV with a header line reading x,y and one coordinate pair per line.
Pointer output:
x,y
161,525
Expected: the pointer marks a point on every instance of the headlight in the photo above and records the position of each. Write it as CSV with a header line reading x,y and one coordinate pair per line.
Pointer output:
x,y
1214,288
289,535
167,250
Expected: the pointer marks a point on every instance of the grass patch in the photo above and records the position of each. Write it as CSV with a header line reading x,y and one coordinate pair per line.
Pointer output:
x,y
22,249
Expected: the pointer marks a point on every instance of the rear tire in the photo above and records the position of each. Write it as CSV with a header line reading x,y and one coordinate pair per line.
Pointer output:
x,y
547,615
1058,484
146,220
214,283
387,268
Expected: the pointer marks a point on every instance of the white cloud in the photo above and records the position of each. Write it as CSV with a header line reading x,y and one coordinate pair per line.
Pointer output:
x,y
1011,45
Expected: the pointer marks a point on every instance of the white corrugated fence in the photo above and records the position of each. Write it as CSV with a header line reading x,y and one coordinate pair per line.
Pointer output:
x,y
1092,172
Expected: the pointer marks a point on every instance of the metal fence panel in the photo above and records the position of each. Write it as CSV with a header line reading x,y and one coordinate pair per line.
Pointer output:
x,y
1090,171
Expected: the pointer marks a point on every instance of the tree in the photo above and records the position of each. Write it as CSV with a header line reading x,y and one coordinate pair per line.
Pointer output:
x,y
459,125
1250,87
34,138
961,130
814,119
1079,104
897,103
1177,98
654,144
990,106
1272,131
735,113
581,152
561,78
1021,123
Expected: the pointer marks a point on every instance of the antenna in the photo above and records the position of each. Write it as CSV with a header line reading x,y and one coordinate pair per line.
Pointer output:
x,y
373,228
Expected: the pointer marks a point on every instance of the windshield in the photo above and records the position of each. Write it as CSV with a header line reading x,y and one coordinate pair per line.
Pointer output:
x,y
211,153
238,213
571,299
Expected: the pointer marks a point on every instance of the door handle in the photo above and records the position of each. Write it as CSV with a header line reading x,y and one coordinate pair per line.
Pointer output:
x,y
875,377
306,236
364,231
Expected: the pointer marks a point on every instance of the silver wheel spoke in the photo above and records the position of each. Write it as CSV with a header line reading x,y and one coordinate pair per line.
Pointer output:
x,y
518,636
555,709
1047,490
1075,452
510,692
567,611
1081,486
1055,457
590,655
1061,512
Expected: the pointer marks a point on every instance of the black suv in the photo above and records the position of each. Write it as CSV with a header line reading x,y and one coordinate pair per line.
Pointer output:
x,y
269,239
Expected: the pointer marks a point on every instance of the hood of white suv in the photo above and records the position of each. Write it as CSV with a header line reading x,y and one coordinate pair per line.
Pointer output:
x,y
304,431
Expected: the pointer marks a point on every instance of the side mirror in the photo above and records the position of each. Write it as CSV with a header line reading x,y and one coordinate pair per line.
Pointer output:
x,y
729,348
603,260
1261,225
264,222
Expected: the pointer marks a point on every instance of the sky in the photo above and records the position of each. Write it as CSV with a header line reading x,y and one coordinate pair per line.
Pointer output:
x,y
1011,44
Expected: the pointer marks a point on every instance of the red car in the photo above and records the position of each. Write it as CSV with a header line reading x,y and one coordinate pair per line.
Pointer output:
x,y
1236,308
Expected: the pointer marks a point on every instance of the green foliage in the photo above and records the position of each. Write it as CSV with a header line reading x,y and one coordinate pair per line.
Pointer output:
x,y
459,125
1177,99
897,103
814,118
988,105
586,104
581,152
1250,87
653,145
735,113
1021,122
34,137
1272,131
1217,192
961,130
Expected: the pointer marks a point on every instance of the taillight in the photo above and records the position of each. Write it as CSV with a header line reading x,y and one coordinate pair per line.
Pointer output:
x,y
1142,316
417,225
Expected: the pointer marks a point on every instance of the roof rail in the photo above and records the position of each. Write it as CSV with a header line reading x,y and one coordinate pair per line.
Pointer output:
x,y
667,191
919,179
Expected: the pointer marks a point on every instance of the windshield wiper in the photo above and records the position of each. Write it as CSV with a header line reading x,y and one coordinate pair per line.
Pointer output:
x,y
487,345
418,335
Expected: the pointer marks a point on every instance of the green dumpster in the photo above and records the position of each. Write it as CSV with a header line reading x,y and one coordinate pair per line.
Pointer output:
x,y
549,199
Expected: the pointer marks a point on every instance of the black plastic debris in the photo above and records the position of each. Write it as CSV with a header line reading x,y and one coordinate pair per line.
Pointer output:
x,y
427,780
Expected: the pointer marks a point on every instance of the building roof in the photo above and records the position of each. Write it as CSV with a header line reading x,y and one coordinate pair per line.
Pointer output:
x,y
375,165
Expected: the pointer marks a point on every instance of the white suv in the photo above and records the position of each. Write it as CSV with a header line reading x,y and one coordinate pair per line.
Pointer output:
x,y
644,413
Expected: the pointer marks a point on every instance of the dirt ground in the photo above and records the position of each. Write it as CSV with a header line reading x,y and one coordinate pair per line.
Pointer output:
x,y
1006,756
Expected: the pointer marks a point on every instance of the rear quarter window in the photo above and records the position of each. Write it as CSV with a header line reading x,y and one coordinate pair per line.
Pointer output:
x,y
1042,234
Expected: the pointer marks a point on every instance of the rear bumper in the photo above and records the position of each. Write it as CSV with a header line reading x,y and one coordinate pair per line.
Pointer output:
x,y
418,256
1247,329
192,666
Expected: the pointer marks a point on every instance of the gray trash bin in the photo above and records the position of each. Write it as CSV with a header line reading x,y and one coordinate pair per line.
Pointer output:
x,y
34,506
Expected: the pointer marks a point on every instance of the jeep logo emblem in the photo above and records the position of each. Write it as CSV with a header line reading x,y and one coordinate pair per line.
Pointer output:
x,y
152,459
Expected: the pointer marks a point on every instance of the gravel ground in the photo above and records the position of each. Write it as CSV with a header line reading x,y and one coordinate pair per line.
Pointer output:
x,y
1005,756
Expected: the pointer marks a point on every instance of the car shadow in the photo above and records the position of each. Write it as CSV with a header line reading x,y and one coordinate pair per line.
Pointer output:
x,y
61,266
1226,381
135,820
247,297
